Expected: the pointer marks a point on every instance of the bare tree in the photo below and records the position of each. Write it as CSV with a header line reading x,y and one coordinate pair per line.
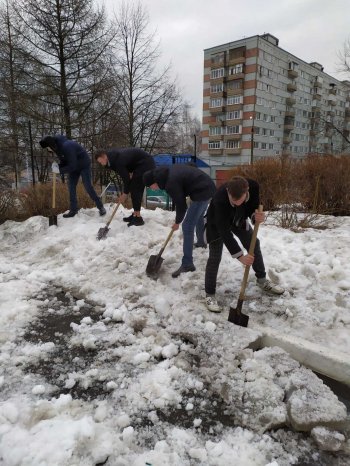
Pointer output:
x,y
148,99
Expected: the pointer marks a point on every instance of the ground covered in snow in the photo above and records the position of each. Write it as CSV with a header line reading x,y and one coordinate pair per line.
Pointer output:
x,y
102,365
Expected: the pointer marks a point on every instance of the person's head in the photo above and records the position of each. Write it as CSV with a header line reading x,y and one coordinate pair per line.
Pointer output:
x,y
149,180
49,143
237,190
101,157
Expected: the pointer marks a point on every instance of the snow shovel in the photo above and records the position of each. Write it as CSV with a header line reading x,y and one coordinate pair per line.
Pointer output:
x,y
53,216
155,261
102,232
236,316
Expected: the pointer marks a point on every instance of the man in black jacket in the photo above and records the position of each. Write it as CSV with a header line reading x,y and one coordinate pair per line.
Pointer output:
x,y
130,164
228,214
180,181
76,162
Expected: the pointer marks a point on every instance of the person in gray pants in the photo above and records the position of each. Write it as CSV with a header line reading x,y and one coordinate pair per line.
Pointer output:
x,y
233,204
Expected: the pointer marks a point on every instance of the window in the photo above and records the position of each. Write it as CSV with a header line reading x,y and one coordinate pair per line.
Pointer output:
x,y
233,144
270,146
236,69
258,116
264,145
272,132
272,119
264,131
256,130
236,84
218,58
256,145
218,73
215,130
215,103
234,99
216,88
214,144
236,114
236,129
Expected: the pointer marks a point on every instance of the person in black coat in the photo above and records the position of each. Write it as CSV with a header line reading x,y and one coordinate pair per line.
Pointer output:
x,y
76,162
180,181
130,164
233,204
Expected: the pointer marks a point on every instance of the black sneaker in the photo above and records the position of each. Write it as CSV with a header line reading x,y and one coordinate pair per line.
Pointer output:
x,y
136,221
198,245
128,219
71,213
102,211
183,269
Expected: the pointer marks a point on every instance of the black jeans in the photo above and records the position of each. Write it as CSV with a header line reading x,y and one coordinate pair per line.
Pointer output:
x,y
73,179
215,254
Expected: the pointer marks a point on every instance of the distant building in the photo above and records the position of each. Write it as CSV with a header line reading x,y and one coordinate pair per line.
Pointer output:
x,y
260,100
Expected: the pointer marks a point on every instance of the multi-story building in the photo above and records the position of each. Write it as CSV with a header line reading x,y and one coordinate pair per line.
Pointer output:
x,y
260,100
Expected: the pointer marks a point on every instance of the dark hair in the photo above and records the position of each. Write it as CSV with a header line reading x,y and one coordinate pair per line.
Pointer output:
x,y
99,153
237,186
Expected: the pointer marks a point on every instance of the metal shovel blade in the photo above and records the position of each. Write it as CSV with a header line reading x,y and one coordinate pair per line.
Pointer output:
x,y
102,233
52,220
153,266
236,317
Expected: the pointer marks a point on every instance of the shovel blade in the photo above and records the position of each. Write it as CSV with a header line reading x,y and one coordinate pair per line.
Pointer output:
x,y
237,317
153,266
102,233
52,220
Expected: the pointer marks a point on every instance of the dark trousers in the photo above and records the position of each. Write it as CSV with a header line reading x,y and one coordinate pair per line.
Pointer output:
x,y
215,254
137,186
73,178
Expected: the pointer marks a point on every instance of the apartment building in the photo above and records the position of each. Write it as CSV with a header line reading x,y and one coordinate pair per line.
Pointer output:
x,y
260,100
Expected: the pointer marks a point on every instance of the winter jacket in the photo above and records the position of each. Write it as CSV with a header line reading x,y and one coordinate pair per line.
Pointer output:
x,y
73,157
127,161
180,181
222,216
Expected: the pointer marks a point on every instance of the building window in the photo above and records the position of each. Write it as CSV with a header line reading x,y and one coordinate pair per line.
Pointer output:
x,y
270,146
272,132
236,129
256,130
233,144
216,88
264,145
256,145
258,116
234,99
214,145
236,84
264,131
236,69
218,73
236,114
218,58
215,130
215,103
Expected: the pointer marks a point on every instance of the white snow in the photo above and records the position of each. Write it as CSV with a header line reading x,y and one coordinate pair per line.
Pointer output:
x,y
137,371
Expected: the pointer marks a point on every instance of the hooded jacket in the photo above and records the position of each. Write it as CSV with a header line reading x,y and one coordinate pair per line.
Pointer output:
x,y
130,160
180,181
222,216
73,157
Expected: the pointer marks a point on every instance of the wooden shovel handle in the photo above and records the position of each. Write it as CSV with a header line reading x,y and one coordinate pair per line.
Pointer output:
x,y
54,191
113,213
251,252
166,242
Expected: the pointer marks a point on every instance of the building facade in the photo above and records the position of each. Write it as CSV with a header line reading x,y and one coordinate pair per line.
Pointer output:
x,y
259,100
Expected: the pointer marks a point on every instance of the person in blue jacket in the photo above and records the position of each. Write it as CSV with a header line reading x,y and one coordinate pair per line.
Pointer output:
x,y
74,161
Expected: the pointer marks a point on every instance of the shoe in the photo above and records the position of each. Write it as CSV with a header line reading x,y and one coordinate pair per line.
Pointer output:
x,y
197,245
269,287
136,221
71,213
183,269
212,304
102,211
128,219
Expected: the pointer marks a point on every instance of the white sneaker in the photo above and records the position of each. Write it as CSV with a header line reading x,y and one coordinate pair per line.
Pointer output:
x,y
269,287
212,304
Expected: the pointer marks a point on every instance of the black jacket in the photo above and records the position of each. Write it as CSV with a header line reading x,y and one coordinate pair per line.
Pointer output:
x,y
180,181
73,157
222,216
131,160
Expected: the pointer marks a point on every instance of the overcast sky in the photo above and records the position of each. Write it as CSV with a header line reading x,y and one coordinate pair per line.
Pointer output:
x,y
313,30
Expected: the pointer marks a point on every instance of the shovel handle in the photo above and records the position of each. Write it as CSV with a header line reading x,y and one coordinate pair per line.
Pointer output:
x,y
113,214
54,191
166,242
251,252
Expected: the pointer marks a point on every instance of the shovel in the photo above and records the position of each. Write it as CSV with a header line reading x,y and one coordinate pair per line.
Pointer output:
x,y
102,232
236,316
53,217
155,261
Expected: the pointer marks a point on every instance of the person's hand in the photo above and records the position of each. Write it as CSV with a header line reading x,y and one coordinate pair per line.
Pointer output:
x,y
246,260
175,227
259,217
122,198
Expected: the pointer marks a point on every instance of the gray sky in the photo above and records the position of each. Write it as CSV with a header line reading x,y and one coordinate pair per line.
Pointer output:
x,y
313,30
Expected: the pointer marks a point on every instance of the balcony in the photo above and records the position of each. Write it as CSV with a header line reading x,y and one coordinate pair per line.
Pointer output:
x,y
347,114
236,151
236,55
216,110
287,140
332,91
291,87
215,151
231,77
313,132
290,101
330,113
332,102
292,74
318,81
290,113
317,96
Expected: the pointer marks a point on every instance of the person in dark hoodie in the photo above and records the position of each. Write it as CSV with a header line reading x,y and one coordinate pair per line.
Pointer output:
x,y
228,214
180,181
74,161
130,164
